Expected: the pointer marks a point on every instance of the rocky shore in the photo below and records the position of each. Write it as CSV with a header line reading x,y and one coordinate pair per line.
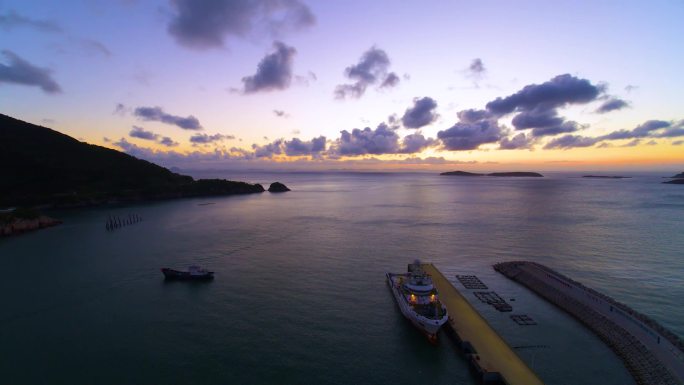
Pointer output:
x,y
22,225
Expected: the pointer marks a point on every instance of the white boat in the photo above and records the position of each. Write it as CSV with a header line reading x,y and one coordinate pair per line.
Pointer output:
x,y
418,299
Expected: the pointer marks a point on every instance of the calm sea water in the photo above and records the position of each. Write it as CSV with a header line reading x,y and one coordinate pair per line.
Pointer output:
x,y
300,296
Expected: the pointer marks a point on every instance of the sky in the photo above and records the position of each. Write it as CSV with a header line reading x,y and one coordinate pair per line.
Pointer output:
x,y
380,85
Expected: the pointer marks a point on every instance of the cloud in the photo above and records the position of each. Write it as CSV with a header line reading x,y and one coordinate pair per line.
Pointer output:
x,y
544,122
171,157
382,140
571,141
472,115
416,142
537,104
390,81
274,71
92,47
470,136
205,139
12,20
519,141
675,130
420,114
477,68
139,132
565,127
268,150
632,143
281,114
158,114
678,142
649,129
643,130
206,24
358,142
19,71
298,147
168,142
371,69
476,71
537,118
612,104
120,109
557,92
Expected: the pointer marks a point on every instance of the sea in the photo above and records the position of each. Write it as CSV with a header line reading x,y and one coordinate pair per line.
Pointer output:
x,y
300,295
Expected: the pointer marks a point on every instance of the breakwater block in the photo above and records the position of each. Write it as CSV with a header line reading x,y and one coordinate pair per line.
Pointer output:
x,y
471,282
491,298
523,319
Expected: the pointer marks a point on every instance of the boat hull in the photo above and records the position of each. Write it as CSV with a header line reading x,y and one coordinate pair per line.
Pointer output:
x,y
175,275
428,326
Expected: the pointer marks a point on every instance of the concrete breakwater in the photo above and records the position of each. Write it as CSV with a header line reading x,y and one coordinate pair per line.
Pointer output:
x,y
651,353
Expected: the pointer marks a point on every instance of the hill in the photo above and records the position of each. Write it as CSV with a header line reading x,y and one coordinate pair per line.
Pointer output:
x,y
44,167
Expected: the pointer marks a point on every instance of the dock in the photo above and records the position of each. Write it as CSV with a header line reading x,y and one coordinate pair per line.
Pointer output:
x,y
652,354
493,359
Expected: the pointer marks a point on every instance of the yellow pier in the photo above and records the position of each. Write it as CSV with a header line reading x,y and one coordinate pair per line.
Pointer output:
x,y
492,353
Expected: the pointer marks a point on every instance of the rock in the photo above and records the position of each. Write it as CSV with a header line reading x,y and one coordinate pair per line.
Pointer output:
x,y
21,225
276,187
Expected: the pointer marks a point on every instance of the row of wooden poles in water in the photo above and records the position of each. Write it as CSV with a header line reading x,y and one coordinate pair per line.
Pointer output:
x,y
115,222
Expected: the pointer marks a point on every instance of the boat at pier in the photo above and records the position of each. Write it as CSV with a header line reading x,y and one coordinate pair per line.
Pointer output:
x,y
418,299
194,273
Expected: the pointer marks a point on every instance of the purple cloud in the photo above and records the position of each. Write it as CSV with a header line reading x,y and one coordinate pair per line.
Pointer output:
x,y
420,114
158,114
371,69
206,24
274,71
19,71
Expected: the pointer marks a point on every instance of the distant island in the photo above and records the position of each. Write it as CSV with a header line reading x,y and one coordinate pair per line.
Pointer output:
x,y
675,181
606,176
45,168
680,175
515,174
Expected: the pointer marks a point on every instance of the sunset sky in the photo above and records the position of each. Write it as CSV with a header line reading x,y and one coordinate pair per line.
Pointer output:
x,y
290,84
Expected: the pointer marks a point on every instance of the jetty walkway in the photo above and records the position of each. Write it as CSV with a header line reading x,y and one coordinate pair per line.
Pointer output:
x,y
490,355
652,354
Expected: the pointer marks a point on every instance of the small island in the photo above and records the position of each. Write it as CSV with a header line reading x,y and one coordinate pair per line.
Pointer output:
x,y
277,187
606,176
675,181
499,174
678,176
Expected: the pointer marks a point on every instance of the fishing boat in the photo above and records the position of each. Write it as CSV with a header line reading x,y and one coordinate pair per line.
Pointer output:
x,y
418,299
194,273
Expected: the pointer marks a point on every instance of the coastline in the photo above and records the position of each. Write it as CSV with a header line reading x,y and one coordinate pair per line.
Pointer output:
x,y
18,226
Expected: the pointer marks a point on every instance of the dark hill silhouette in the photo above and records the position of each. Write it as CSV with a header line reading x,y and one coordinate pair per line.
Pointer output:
x,y
41,166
